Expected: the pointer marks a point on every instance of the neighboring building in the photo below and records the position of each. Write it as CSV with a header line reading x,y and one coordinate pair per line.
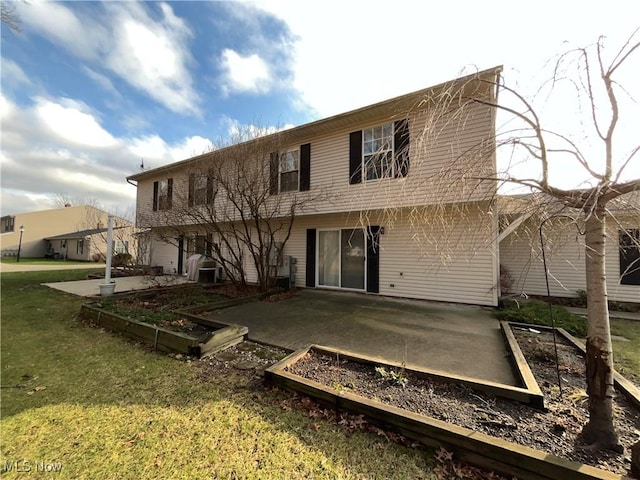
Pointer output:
x,y
77,233
521,255
360,165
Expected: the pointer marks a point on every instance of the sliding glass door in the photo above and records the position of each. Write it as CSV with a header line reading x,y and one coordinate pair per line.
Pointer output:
x,y
341,258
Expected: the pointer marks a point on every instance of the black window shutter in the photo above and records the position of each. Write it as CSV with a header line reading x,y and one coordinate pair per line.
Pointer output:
x,y
311,258
355,157
155,196
273,174
169,193
373,259
401,141
305,167
192,181
210,186
630,257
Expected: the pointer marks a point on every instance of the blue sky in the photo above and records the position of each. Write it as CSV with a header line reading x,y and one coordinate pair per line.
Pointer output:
x,y
89,88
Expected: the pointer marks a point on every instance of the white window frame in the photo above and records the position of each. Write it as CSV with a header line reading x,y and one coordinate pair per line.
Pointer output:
x,y
80,247
295,153
377,150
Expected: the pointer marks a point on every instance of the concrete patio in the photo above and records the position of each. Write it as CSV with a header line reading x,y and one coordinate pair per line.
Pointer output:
x,y
464,340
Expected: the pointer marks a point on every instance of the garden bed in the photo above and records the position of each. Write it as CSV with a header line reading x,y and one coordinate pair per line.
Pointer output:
x,y
188,334
483,429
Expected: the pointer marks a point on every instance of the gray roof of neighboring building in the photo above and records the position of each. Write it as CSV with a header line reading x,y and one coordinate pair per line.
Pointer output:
x,y
79,234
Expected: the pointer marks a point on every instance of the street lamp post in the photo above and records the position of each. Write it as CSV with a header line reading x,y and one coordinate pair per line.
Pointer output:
x,y
20,242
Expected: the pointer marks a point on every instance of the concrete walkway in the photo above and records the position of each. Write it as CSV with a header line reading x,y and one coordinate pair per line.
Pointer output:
x,y
30,267
90,288
612,314
457,339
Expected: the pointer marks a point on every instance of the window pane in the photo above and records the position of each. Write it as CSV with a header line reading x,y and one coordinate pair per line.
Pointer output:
x,y
387,129
368,135
352,264
200,182
289,181
329,258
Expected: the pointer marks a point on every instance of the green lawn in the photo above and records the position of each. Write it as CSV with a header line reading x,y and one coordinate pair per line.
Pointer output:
x,y
42,261
626,354
105,408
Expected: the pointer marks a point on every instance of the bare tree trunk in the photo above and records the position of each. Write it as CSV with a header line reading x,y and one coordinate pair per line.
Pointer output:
x,y
600,387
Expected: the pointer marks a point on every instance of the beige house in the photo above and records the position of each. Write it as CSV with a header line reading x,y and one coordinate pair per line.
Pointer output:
x,y
521,253
368,175
77,233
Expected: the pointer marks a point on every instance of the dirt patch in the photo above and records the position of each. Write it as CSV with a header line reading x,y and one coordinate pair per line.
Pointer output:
x,y
555,431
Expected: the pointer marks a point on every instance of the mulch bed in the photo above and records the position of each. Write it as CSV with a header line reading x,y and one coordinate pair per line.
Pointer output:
x,y
556,431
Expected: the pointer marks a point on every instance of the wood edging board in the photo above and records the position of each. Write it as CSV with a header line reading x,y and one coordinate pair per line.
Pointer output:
x,y
530,397
520,365
473,447
162,338
622,384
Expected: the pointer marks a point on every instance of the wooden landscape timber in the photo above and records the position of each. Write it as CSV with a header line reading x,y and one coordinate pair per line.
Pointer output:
x,y
623,385
475,448
162,338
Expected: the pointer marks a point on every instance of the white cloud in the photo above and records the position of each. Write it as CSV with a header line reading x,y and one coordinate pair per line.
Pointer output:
x,y
6,108
150,55
13,74
153,59
190,147
149,147
101,80
245,74
72,124
374,53
63,27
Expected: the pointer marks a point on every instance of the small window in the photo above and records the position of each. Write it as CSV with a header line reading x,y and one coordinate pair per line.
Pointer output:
x,y
120,246
289,171
203,245
162,193
80,247
377,152
630,257
8,224
200,189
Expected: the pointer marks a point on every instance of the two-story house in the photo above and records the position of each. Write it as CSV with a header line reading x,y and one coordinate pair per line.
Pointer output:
x,y
396,199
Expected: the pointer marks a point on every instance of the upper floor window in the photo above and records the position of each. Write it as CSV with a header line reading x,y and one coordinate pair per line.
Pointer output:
x,y
377,152
8,224
162,194
200,189
289,172
630,257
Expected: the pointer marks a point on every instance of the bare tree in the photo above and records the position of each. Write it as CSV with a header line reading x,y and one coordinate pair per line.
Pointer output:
x,y
440,204
593,79
233,205
9,17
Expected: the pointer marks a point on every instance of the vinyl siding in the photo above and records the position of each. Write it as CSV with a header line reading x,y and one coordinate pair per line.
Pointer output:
x,y
164,254
462,272
520,253
461,268
435,146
